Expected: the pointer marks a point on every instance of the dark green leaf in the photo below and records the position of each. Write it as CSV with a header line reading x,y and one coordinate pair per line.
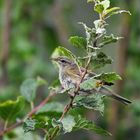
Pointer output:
x,y
53,133
58,128
33,124
10,109
52,126
94,101
100,61
108,77
52,107
55,83
77,41
29,87
82,123
99,8
109,39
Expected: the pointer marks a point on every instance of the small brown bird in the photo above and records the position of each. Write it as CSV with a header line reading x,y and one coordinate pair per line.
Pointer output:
x,y
70,75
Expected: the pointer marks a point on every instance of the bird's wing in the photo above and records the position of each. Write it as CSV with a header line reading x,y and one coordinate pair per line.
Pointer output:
x,y
74,74
89,74
104,90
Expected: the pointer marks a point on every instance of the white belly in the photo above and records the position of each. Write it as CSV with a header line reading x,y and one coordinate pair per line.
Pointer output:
x,y
66,81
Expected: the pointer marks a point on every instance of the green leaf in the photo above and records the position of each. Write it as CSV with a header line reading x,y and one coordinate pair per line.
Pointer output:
x,y
90,1
90,34
55,83
61,51
94,102
109,39
52,126
28,89
97,23
99,8
29,86
106,4
110,10
57,130
89,84
41,81
118,12
77,41
68,123
82,123
51,108
108,77
100,61
33,124
53,133
99,26
10,109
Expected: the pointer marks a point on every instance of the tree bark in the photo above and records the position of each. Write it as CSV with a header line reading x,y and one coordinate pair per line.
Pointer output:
x,y
5,41
121,70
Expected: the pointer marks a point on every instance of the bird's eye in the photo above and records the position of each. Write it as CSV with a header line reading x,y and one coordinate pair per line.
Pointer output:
x,y
63,61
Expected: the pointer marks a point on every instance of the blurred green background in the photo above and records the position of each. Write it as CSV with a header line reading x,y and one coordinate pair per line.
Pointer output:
x,y
29,32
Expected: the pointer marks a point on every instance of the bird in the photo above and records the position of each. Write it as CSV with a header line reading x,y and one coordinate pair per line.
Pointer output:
x,y
70,75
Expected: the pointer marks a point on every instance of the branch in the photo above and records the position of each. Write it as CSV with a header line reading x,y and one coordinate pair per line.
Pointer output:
x,y
33,111
11,127
41,104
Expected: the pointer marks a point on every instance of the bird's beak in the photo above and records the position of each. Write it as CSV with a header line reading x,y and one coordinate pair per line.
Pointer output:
x,y
54,59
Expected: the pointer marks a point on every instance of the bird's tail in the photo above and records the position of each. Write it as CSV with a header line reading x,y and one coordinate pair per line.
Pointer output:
x,y
113,95
107,92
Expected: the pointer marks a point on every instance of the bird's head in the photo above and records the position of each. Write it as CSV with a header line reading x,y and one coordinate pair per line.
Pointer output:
x,y
63,61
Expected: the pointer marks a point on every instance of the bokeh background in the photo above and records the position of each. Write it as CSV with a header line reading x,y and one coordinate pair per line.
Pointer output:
x,y
29,32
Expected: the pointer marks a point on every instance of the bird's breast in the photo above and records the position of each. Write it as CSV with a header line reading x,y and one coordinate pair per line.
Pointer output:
x,y
67,81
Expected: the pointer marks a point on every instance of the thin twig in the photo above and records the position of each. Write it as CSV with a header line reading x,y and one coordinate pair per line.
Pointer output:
x,y
41,104
32,105
33,111
11,128
6,123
